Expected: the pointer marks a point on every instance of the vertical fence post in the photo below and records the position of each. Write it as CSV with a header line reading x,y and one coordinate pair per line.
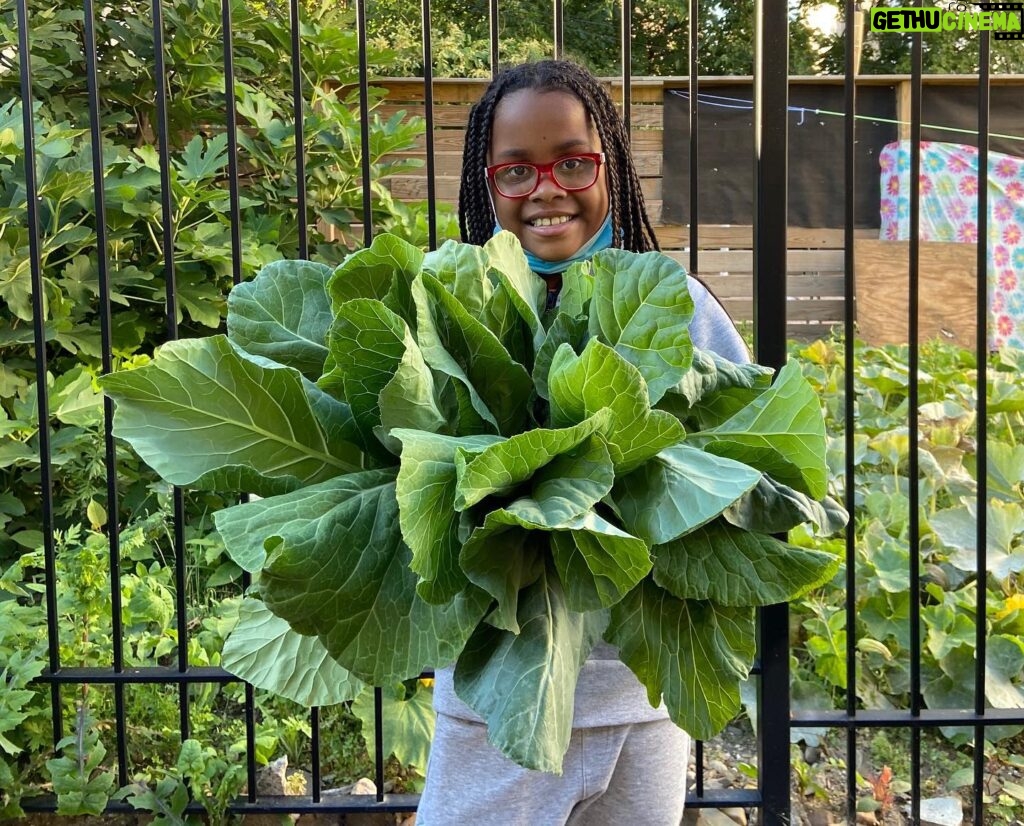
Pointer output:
x,y
981,507
771,95
113,526
42,389
852,14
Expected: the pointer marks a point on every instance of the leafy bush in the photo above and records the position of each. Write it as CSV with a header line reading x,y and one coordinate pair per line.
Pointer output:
x,y
948,486
201,211
446,473
268,228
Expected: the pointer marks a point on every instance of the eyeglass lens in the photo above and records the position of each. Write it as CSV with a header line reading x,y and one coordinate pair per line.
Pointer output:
x,y
569,173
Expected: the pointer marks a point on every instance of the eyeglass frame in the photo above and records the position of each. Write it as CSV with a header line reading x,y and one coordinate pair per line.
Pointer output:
x,y
548,169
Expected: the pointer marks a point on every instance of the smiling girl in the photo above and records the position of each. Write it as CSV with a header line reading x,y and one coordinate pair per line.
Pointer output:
x,y
547,158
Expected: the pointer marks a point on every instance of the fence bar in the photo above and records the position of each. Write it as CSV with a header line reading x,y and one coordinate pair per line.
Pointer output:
x,y
300,133
981,456
378,739
913,467
849,390
905,718
559,29
771,99
314,747
693,87
493,34
109,447
231,125
167,205
428,111
627,65
39,340
364,122
235,219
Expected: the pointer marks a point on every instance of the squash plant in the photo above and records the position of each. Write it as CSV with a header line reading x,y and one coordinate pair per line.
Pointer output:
x,y
451,474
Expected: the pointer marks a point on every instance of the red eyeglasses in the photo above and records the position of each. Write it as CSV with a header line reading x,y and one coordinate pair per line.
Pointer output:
x,y
572,173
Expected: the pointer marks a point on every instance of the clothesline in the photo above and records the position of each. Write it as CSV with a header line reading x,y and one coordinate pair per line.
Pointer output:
x,y
723,102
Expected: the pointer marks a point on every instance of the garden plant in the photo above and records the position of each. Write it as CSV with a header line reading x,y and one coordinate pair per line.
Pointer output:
x,y
446,473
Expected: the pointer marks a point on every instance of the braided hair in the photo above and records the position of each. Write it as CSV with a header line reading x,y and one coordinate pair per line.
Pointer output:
x,y
631,228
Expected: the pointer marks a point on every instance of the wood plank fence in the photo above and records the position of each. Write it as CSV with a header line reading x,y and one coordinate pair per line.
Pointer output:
x,y
816,278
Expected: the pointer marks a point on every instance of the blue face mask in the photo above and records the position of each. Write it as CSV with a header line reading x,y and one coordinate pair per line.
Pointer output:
x,y
601,240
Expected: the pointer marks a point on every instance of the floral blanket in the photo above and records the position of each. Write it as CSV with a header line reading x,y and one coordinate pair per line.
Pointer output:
x,y
949,212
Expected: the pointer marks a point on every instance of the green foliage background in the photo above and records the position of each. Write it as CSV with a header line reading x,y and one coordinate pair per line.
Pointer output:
x,y
460,39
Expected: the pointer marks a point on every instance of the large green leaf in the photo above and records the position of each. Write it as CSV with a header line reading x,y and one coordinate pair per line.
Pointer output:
x,y
345,577
1005,470
458,345
202,414
502,316
384,270
503,556
678,490
426,492
691,653
582,385
577,289
284,314
772,507
781,432
524,684
565,329
411,399
598,562
462,269
367,343
527,290
247,526
262,649
498,469
642,308
733,567
957,528
714,388
408,724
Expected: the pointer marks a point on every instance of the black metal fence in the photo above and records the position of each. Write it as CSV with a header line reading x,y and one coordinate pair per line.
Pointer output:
x,y
775,719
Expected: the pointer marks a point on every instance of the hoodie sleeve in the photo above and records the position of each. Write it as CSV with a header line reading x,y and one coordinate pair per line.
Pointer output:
x,y
711,328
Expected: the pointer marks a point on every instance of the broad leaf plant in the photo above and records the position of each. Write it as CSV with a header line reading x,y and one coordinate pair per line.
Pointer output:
x,y
446,472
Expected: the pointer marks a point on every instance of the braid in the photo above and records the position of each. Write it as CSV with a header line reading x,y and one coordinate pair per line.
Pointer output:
x,y
631,227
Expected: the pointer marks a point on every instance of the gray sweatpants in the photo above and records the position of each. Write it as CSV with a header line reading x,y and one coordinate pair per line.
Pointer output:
x,y
628,774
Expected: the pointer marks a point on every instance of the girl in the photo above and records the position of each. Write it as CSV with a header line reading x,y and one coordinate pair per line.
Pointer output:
x,y
547,158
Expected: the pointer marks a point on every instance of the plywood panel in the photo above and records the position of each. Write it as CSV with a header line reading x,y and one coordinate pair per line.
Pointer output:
x,y
947,277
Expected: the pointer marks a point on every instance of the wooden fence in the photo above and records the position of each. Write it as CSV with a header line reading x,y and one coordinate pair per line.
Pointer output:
x,y
815,264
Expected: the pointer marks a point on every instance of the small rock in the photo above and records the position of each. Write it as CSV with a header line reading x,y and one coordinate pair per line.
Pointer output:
x,y
820,817
737,815
867,818
364,786
812,754
410,820
942,811
714,817
272,778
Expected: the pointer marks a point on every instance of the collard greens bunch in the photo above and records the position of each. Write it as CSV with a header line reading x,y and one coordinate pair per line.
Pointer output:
x,y
450,473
